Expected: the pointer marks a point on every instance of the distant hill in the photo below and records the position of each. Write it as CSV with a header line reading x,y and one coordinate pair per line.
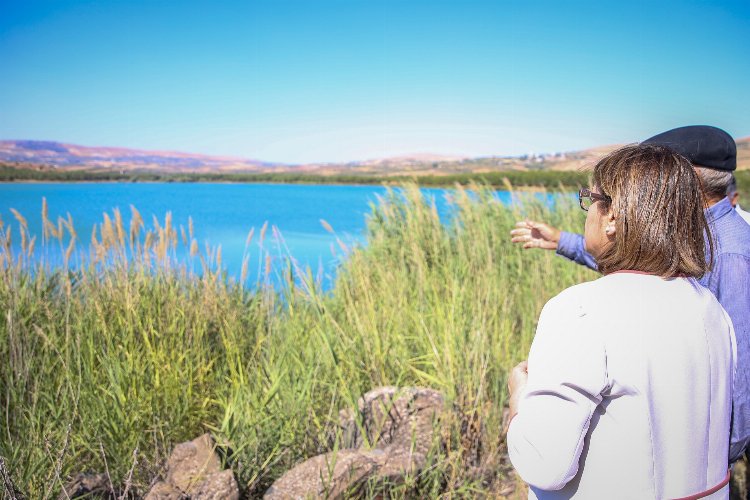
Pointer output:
x,y
45,155
60,155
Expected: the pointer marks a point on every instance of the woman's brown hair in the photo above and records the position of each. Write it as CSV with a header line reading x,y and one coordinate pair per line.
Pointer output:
x,y
656,199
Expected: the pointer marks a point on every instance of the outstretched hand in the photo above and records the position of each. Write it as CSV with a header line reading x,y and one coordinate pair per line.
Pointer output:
x,y
535,235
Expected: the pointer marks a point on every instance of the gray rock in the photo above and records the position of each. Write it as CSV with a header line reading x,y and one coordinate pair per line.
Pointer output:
x,y
331,475
397,424
390,415
191,462
164,491
217,486
194,471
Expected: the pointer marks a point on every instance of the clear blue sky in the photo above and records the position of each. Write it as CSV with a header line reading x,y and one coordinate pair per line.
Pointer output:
x,y
320,80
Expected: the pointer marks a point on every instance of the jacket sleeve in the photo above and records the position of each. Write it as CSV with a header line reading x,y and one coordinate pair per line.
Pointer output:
x,y
567,375
571,246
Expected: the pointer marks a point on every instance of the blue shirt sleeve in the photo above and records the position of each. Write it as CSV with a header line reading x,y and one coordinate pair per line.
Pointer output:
x,y
571,247
730,283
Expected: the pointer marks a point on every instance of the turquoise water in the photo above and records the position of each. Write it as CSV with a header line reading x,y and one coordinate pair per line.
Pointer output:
x,y
222,214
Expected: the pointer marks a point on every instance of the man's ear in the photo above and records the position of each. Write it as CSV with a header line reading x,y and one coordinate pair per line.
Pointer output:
x,y
734,198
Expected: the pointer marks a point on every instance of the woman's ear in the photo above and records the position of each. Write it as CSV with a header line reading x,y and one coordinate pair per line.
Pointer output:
x,y
610,229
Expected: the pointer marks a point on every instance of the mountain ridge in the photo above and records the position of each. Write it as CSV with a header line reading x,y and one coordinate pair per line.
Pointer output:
x,y
41,155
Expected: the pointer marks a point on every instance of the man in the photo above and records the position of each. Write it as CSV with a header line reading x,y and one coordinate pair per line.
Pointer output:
x,y
713,154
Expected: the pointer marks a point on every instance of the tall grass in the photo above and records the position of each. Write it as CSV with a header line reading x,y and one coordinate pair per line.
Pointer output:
x,y
111,359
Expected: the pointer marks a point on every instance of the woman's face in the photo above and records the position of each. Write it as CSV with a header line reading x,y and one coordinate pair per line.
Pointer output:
x,y
599,230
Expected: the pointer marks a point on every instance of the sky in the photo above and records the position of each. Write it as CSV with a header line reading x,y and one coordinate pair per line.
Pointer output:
x,y
332,81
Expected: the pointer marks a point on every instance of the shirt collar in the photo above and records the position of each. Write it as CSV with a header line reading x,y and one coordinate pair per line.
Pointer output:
x,y
719,210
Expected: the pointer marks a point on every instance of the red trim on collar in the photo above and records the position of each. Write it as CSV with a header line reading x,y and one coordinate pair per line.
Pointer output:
x,y
632,271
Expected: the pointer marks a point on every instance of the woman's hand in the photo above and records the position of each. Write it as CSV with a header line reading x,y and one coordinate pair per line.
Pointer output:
x,y
516,382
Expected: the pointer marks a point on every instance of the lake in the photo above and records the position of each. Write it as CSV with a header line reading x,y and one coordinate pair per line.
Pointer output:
x,y
222,214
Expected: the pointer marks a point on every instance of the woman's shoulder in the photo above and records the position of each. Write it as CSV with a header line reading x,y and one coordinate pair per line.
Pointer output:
x,y
591,295
579,292
574,300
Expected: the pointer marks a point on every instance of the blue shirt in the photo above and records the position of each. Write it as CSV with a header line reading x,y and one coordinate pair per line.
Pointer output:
x,y
729,281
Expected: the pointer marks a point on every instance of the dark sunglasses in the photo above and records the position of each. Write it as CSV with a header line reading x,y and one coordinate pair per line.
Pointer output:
x,y
586,198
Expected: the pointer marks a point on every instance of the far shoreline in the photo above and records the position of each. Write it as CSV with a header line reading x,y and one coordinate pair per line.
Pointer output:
x,y
530,180
535,180
524,188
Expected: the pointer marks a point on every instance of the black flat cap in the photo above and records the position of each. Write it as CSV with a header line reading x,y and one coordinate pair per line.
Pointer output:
x,y
703,145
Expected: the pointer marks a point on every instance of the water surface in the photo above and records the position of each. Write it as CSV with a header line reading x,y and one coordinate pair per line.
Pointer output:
x,y
222,214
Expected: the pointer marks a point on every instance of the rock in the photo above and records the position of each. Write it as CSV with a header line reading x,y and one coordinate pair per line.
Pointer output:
x,y
164,491
217,486
194,471
397,423
90,485
391,415
191,462
331,475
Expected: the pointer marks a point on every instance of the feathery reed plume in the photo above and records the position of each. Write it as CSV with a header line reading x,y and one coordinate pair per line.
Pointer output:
x,y
327,226
24,239
168,231
243,272
98,250
20,218
342,245
69,225
136,224
108,233
249,238
148,243
60,227
119,229
22,229
30,250
45,220
69,252
263,232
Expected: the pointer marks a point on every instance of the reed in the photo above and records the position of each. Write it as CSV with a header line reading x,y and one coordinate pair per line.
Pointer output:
x,y
138,340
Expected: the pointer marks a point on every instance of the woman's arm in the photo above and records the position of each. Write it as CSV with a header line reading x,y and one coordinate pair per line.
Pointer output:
x,y
566,376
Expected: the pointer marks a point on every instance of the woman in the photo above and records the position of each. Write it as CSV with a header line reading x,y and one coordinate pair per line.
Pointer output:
x,y
627,391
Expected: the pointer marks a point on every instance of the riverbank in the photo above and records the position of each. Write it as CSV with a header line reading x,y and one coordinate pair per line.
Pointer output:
x,y
521,180
499,179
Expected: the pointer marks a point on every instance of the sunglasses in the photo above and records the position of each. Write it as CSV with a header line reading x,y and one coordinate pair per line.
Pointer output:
x,y
586,198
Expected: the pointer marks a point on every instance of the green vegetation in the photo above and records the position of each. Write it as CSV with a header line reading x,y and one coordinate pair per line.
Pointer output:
x,y
548,179
110,362
535,178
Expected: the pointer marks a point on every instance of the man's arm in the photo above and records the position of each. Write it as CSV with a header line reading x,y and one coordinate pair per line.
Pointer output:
x,y
729,281
534,234
571,246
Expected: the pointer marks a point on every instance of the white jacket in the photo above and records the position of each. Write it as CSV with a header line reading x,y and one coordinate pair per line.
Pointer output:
x,y
629,392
